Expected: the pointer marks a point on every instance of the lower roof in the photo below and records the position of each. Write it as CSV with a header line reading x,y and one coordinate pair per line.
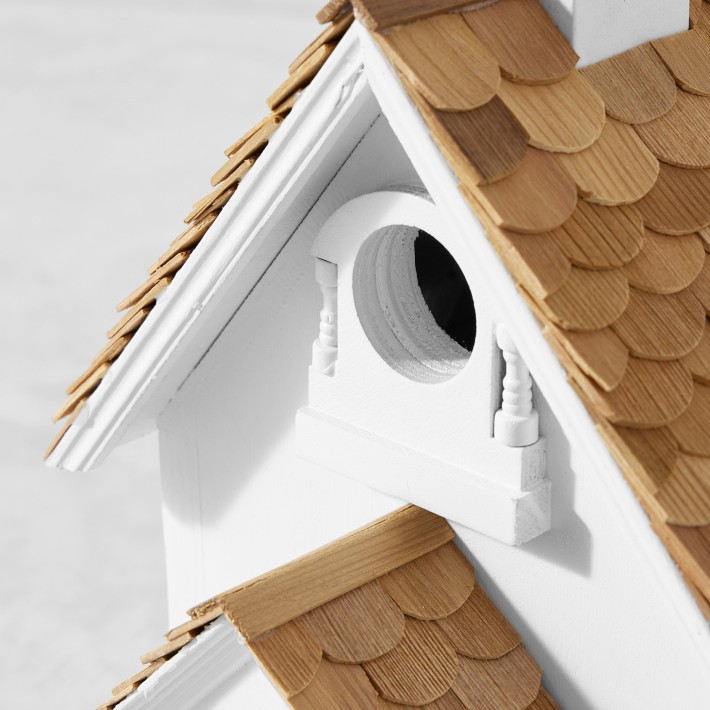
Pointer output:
x,y
390,616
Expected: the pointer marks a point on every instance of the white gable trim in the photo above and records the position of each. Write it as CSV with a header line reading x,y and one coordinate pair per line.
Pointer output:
x,y
197,670
578,426
329,118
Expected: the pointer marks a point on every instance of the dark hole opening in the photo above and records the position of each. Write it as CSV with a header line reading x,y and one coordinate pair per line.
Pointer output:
x,y
445,290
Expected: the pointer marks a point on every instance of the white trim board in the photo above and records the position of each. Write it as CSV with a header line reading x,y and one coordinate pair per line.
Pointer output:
x,y
194,672
329,118
546,369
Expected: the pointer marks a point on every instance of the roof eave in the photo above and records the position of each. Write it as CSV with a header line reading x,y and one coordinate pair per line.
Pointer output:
x,y
206,663
148,372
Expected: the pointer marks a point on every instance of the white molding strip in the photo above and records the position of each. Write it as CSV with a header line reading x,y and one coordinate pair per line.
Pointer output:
x,y
329,118
544,365
502,512
196,671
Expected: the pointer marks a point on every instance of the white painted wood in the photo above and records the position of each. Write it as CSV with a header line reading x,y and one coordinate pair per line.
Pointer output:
x,y
516,423
505,513
601,570
327,121
250,690
598,29
425,413
214,658
325,346
588,597
237,501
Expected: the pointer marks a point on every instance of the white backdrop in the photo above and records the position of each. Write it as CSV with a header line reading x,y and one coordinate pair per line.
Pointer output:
x,y
113,116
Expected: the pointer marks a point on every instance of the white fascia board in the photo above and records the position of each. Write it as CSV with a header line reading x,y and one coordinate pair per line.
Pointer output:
x,y
546,369
197,670
328,120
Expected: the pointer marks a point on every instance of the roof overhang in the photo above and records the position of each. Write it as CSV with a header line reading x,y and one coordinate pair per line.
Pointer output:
x,y
328,120
196,671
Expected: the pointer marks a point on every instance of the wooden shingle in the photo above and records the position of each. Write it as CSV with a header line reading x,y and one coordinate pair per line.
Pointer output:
x,y
445,62
538,54
635,86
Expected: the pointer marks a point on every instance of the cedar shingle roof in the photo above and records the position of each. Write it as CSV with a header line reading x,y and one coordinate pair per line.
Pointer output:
x,y
390,616
594,187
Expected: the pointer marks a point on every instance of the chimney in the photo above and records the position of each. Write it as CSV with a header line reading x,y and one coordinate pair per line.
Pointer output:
x,y
598,29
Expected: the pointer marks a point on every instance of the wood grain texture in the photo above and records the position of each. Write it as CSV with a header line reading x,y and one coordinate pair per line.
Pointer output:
x,y
418,670
65,428
512,681
188,239
357,626
221,194
194,625
167,649
685,495
533,259
81,392
483,145
635,86
146,301
692,546
445,62
382,14
137,678
654,453
687,56
433,586
289,591
539,55
666,264
108,353
679,202
691,429
301,77
132,324
478,630
543,702
331,10
167,269
705,236
651,394
289,655
698,361
225,192
448,701
661,327
538,197
600,354
282,111
588,300
250,147
682,135
337,685
564,117
332,33
617,170
597,237
701,286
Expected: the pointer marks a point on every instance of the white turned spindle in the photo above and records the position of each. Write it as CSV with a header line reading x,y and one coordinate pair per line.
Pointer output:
x,y
325,347
516,422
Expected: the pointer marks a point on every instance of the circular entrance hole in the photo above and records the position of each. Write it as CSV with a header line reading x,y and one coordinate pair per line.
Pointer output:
x,y
414,304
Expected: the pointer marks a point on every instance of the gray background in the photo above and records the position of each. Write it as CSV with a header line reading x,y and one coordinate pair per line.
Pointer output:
x,y
113,115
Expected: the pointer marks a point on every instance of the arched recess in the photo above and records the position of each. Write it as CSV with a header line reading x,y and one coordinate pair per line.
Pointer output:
x,y
394,401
